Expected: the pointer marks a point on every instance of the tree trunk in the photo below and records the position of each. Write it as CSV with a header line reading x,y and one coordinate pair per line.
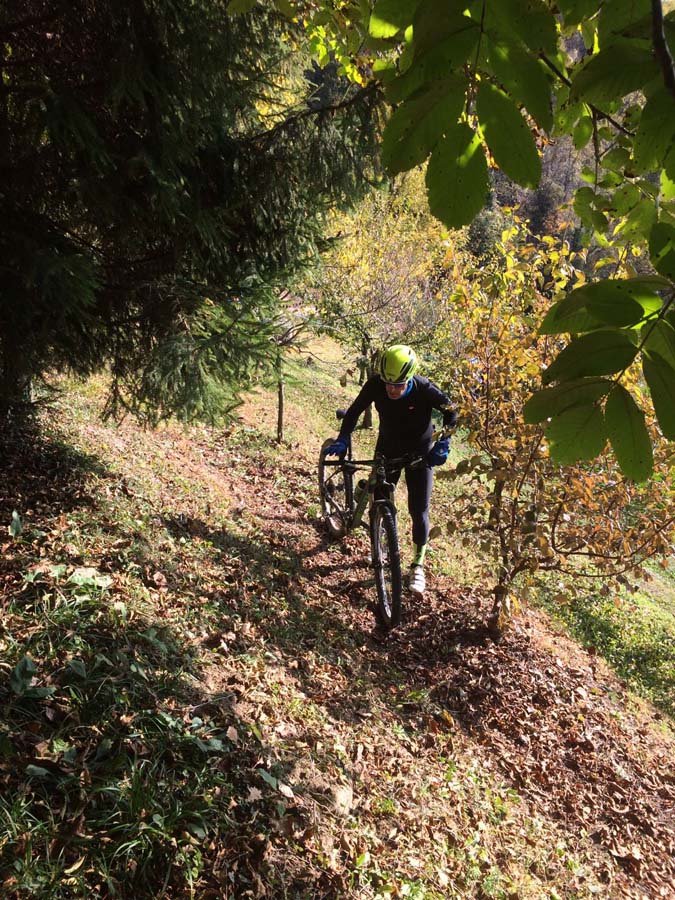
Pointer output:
x,y
365,373
15,382
496,617
281,400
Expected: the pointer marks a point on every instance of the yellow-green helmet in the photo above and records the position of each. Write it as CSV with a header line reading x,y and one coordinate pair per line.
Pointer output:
x,y
398,364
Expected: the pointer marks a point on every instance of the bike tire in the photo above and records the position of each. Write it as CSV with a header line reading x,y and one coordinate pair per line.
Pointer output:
x,y
336,491
386,564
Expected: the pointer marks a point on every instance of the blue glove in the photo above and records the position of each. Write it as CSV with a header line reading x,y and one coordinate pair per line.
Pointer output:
x,y
439,452
337,448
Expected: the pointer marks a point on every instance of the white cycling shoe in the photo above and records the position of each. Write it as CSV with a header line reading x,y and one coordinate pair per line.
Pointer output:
x,y
417,582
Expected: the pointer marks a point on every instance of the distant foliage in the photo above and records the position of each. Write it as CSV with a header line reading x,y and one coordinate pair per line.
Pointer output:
x,y
524,509
485,233
384,279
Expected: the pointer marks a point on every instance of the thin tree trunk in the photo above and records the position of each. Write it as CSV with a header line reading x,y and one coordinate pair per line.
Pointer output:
x,y
281,400
494,622
15,382
365,356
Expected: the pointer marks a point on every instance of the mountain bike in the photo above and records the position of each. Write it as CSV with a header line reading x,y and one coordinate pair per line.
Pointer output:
x,y
344,504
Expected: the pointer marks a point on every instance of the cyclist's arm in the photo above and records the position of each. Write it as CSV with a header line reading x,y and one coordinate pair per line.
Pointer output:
x,y
441,402
365,397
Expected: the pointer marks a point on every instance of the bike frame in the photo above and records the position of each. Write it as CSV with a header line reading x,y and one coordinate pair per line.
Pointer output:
x,y
377,482
345,513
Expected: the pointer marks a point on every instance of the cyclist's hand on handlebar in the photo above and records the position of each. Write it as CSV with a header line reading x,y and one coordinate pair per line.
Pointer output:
x,y
337,448
439,452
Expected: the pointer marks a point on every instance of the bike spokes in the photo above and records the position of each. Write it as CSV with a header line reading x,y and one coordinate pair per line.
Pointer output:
x,y
387,565
335,490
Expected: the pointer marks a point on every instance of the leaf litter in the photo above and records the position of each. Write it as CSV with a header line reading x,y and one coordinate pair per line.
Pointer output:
x,y
352,763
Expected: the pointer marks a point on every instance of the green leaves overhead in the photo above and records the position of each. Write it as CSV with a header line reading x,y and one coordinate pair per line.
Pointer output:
x,y
656,131
662,249
508,136
524,77
567,318
614,72
435,65
576,434
617,301
659,337
660,378
628,434
625,198
585,207
390,16
417,125
583,132
457,177
553,401
527,20
667,186
598,353
616,17
576,11
438,22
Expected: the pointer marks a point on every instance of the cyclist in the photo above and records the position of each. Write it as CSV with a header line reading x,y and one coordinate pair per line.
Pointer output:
x,y
404,402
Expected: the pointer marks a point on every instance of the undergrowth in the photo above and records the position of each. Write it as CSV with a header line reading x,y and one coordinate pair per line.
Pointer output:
x,y
164,725
634,634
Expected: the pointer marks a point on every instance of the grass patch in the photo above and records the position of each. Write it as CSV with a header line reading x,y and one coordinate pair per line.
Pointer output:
x,y
119,775
170,676
636,636
101,764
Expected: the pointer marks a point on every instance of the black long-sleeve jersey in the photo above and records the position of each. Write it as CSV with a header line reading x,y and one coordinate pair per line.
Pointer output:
x,y
405,424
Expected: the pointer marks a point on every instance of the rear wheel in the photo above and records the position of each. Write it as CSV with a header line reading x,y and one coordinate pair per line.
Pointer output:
x,y
336,492
386,564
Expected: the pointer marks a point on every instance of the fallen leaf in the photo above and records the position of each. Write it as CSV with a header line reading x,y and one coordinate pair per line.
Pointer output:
x,y
343,799
286,790
75,866
160,580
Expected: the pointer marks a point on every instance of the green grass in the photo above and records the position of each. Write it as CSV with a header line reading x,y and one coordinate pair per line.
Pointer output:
x,y
122,773
117,773
114,765
635,633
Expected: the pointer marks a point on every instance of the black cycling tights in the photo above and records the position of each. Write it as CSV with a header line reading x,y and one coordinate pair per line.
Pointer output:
x,y
418,481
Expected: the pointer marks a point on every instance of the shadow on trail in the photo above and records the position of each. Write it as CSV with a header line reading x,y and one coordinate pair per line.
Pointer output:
x,y
550,727
40,473
273,588
120,775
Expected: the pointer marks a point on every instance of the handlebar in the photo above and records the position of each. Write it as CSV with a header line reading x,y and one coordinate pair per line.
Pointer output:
x,y
410,459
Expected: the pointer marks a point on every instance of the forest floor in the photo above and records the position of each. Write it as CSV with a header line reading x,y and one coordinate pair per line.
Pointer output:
x,y
197,702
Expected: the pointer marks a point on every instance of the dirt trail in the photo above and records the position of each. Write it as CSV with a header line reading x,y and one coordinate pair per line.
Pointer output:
x,y
534,710
553,721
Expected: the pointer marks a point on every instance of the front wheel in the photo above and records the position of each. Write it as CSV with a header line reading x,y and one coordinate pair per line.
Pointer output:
x,y
386,564
336,492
